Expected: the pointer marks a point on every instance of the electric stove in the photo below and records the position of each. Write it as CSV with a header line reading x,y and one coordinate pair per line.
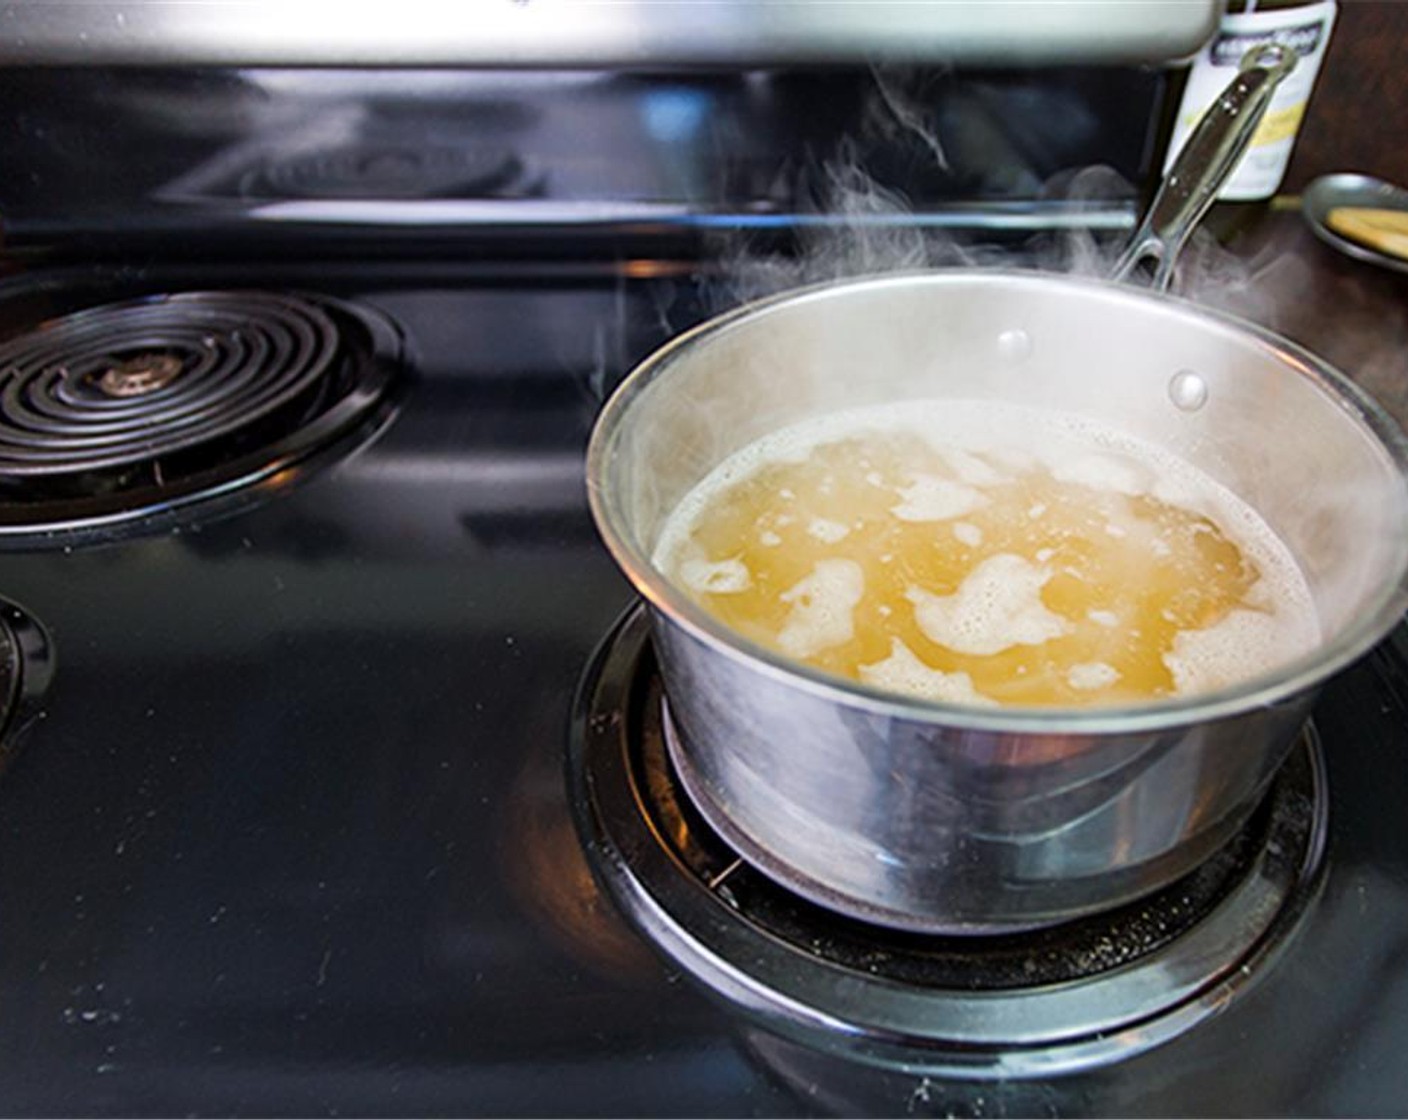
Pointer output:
x,y
303,815
335,777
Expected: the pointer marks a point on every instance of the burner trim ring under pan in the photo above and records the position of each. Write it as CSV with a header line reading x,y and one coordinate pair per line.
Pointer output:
x,y
1022,1031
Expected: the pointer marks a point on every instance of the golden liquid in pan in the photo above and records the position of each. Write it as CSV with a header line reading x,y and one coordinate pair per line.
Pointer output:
x,y
982,573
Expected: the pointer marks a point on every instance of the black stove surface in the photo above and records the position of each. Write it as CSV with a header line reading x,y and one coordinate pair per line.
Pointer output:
x,y
291,833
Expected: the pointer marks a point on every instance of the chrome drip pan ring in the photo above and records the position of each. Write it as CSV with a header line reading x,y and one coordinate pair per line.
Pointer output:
x,y
1013,1005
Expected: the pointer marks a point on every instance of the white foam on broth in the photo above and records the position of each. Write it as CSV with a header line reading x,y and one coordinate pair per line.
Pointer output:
x,y
999,604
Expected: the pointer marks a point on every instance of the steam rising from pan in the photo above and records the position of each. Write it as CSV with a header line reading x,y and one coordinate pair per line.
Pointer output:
x,y
851,224
857,227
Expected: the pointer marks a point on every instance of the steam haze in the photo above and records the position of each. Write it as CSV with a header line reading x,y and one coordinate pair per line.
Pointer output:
x,y
1291,451
852,225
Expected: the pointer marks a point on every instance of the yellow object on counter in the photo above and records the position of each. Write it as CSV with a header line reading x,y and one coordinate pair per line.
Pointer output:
x,y
1384,230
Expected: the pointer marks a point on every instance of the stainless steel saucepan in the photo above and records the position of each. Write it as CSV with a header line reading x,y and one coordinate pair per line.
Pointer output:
x,y
947,818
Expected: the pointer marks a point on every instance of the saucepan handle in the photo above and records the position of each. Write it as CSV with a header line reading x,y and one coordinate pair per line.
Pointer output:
x,y
1207,159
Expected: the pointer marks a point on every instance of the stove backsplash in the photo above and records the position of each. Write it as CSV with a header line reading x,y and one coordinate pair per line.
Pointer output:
x,y
210,160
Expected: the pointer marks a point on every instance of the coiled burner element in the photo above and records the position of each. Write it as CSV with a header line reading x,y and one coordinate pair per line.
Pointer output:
x,y
110,411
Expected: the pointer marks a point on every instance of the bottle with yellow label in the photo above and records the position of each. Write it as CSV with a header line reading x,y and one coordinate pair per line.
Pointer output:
x,y
1305,27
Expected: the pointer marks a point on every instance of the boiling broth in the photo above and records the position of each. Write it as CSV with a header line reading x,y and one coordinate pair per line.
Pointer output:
x,y
982,554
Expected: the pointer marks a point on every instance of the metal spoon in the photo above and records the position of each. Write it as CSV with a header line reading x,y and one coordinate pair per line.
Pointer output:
x,y
1334,192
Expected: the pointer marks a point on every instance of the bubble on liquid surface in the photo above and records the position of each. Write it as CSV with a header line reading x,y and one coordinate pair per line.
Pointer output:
x,y
1187,390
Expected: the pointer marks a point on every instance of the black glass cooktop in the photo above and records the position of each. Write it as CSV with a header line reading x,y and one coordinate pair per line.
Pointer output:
x,y
289,832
